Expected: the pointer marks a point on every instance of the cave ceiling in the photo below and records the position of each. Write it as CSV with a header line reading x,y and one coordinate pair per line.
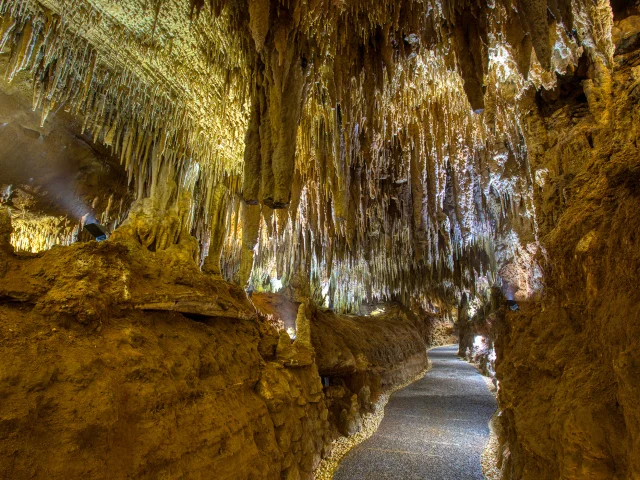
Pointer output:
x,y
351,150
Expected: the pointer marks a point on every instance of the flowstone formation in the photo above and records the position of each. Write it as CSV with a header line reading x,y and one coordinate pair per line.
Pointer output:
x,y
163,220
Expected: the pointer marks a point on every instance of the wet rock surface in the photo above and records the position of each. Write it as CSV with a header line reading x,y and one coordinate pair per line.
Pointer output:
x,y
435,428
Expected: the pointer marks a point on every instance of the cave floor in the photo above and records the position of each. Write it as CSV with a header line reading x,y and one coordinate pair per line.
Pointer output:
x,y
435,429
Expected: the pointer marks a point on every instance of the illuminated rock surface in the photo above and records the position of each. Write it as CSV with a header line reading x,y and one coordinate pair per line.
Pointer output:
x,y
369,177
136,363
52,177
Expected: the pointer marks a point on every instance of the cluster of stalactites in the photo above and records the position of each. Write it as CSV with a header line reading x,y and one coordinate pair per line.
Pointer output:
x,y
347,52
35,233
399,189
146,121
163,220
360,131
408,222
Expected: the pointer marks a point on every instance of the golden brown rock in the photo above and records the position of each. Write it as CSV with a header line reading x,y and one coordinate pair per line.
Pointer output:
x,y
5,231
568,364
409,162
138,364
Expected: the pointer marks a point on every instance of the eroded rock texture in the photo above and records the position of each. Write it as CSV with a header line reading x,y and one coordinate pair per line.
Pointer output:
x,y
121,362
568,365
359,357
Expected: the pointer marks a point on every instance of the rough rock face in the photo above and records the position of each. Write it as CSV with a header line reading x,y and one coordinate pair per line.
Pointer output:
x,y
150,395
363,356
421,152
569,365
102,384
121,362
358,357
379,350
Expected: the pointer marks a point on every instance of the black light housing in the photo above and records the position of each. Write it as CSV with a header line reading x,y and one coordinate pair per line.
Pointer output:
x,y
513,305
96,230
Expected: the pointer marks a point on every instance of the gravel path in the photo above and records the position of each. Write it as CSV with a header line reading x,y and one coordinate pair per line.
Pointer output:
x,y
434,429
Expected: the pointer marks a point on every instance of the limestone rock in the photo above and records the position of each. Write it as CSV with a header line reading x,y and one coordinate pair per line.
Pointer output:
x,y
574,351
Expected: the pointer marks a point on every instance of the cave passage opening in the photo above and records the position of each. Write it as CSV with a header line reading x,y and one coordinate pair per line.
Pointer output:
x,y
437,427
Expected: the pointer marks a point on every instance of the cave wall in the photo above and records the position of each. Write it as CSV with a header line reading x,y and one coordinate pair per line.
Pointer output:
x,y
568,364
358,357
122,362
396,192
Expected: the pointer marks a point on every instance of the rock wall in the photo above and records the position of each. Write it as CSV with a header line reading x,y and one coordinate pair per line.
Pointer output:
x,y
569,364
380,350
358,357
361,357
119,362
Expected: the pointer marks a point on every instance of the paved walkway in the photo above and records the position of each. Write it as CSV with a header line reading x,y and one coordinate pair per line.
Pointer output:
x,y
434,429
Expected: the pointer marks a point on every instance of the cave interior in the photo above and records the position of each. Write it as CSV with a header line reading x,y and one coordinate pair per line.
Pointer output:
x,y
299,198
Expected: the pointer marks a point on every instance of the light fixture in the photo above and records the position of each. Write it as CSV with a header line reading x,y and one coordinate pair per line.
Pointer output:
x,y
96,230
512,305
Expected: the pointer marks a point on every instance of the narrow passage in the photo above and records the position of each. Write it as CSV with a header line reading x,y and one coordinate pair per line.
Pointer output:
x,y
434,429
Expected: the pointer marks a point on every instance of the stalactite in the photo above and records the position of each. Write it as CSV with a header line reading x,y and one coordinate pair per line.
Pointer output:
x,y
218,229
35,233
120,103
250,219
407,165
164,219
363,139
